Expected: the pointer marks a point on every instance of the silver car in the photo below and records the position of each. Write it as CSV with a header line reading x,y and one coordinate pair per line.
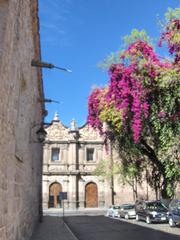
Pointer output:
x,y
127,211
113,211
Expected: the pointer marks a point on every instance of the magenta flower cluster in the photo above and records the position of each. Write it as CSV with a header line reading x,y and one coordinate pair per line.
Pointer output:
x,y
93,110
173,44
131,83
129,96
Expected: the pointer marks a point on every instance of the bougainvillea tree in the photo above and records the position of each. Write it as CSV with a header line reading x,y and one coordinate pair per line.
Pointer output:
x,y
141,105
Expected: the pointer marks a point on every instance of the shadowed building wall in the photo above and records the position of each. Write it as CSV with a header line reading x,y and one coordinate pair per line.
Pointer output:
x,y
20,114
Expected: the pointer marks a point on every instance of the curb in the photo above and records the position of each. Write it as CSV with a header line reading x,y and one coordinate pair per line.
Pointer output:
x,y
70,231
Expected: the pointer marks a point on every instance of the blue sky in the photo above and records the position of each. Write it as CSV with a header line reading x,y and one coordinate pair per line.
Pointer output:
x,y
77,34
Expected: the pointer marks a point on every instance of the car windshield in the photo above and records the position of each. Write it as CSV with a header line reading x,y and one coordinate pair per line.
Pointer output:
x,y
116,207
175,204
128,207
155,206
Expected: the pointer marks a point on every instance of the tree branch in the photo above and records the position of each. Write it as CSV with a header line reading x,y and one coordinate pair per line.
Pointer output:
x,y
149,152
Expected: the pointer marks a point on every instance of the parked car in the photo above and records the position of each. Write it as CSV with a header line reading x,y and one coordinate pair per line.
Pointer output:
x,y
151,211
127,211
174,212
113,211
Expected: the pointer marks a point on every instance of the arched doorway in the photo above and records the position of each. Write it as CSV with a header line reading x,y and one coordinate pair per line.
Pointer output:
x,y
54,190
91,195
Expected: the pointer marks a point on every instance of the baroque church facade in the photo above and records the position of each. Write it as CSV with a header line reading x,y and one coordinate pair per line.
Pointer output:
x,y
70,159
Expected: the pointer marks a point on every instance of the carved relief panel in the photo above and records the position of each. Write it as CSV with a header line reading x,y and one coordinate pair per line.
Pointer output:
x,y
57,131
88,133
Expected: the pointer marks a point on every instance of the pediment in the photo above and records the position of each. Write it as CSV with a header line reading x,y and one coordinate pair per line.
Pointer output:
x,y
88,133
57,131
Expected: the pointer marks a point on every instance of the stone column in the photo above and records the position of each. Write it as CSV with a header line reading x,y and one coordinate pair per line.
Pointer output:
x,y
81,194
72,192
66,189
81,157
101,199
45,192
72,155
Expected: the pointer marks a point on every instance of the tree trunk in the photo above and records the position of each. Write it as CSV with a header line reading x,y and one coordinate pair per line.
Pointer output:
x,y
150,153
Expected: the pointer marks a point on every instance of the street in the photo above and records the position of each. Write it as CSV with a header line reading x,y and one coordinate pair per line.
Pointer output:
x,y
103,228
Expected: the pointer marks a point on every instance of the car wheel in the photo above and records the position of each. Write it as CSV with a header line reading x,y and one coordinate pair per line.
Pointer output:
x,y
137,217
148,220
172,223
126,216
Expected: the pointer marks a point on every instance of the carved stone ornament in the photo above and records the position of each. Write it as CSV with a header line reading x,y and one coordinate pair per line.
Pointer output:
x,y
57,131
88,133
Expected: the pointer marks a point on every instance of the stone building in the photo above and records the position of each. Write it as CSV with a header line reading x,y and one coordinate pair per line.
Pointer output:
x,y
70,158
21,113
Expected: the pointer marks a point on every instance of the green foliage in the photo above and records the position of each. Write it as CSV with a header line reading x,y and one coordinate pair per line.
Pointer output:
x,y
129,173
113,58
136,35
102,168
171,160
106,168
168,16
112,117
172,14
158,139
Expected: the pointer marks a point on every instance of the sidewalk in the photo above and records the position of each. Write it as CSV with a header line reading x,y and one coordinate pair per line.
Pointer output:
x,y
58,212
52,228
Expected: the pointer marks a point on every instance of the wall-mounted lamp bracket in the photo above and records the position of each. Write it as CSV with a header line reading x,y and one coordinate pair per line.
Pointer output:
x,y
46,100
41,64
40,133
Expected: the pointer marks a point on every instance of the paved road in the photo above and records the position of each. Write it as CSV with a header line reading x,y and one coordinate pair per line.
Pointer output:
x,y
103,228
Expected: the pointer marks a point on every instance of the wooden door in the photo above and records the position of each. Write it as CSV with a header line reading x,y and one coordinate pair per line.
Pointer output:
x,y
54,191
91,195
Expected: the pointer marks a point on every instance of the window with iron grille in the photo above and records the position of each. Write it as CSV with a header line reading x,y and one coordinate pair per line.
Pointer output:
x,y
55,154
90,154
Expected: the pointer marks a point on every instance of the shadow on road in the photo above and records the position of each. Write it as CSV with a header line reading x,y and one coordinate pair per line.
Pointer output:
x,y
102,228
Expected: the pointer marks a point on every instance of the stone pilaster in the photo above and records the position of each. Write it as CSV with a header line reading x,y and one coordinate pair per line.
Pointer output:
x,y
72,192
81,194
45,190
101,197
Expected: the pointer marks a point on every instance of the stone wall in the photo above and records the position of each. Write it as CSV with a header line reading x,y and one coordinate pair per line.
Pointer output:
x,y
20,114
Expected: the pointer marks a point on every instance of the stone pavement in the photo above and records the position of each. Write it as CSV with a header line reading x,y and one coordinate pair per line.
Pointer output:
x,y
52,228
58,212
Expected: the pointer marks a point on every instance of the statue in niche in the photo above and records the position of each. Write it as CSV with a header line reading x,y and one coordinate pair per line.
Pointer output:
x,y
73,125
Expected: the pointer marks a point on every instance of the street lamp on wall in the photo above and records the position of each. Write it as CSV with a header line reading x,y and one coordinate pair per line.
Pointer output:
x,y
81,179
40,133
41,64
47,100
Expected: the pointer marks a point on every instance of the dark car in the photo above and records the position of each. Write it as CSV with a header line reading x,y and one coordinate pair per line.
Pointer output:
x,y
127,211
151,211
174,212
